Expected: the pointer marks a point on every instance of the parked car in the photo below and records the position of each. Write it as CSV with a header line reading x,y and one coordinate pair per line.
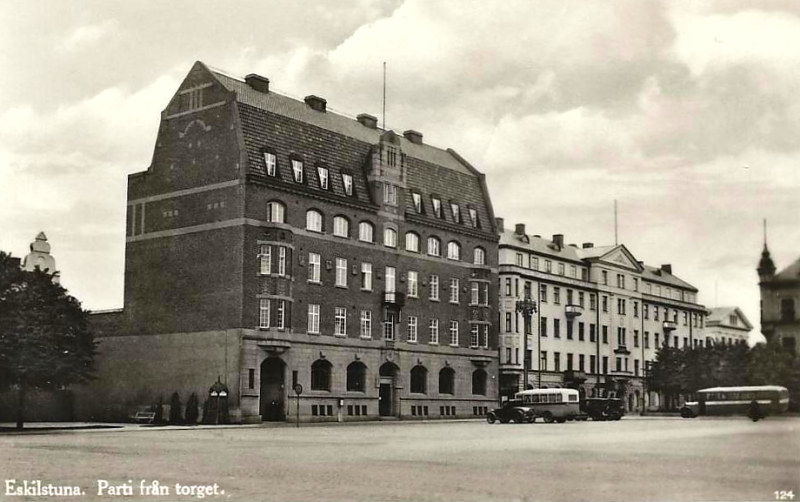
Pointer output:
x,y
512,410
602,408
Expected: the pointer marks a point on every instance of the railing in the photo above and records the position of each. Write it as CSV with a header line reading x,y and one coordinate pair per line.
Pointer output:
x,y
573,310
394,298
669,325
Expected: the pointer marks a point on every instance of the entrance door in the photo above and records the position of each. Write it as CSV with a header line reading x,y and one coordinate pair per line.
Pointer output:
x,y
385,396
386,391
273,372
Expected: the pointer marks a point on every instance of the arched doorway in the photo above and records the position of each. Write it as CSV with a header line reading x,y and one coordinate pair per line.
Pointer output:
x,y
386,393
273,374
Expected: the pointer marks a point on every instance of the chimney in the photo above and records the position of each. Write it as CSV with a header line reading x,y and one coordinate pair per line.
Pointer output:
x,y
667,268
413,136
368,120
558,240
316,103
519,229
257,82
499,222
588,245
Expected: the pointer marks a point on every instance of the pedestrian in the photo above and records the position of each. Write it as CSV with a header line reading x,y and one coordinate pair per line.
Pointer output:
x,y
755,411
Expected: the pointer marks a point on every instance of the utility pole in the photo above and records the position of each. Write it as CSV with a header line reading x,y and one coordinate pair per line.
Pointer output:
x,y
527,307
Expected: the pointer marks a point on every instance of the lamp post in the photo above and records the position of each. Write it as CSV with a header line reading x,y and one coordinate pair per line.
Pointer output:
x,y
527,307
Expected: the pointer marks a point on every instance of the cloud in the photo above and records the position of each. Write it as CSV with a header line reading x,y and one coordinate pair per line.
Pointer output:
x,y
88,36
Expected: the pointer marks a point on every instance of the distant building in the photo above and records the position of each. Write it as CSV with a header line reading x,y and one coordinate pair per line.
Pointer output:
x,y
727,325
40,257
780,294
602,314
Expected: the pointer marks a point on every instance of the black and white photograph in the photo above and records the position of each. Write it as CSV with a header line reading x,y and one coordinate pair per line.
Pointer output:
x,y
400,250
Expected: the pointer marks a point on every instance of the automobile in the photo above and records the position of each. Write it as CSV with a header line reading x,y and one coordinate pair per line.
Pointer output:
x,y
512,410
602,408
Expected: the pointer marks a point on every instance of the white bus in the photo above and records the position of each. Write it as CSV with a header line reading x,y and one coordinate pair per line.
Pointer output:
x,y
772,399
557,405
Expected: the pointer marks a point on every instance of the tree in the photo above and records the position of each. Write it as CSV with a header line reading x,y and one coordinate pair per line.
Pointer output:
x,y
45,341
192,413
175,415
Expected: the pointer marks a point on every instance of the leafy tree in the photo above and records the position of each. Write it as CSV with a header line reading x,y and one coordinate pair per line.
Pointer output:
x,y
158,408
192,412
45,341
175,415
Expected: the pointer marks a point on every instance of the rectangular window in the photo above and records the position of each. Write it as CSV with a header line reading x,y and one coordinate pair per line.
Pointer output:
x,y
485,294
433,331
281,261
473,217
548,266
570,297
389,194
251,378
474,338
635,309
543,293
581,298
569,330
592,333
413,284
509,329
297,170
265,259
390,279
281,314
454,333
580,332
592,363
341,272
646,311
635,367
263,313
647,339
534,262
508,355
605,303
519,259
508,286
437,207
605,365
475,294
604,275
388,327
604,333
573,271
543,362
636,338
417,199
456,212
560,269
412,329
434,290
271,163
569,361
543,326
635,284
485,336
453,290
655,340
366,324
557,361
323,177
340,322
592,302
621,337
581,362
557,328
314,266
557,295
366,276
347,182
313,318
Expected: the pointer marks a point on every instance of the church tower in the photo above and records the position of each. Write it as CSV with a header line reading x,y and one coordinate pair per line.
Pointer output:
x,y
40,257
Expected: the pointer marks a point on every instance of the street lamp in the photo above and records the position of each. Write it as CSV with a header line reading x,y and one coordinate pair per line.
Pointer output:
x,y
527,307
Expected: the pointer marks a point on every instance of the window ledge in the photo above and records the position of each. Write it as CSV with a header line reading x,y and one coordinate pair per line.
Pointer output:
x,y
339,286
366,290
340,335
435,300
318,283
314,333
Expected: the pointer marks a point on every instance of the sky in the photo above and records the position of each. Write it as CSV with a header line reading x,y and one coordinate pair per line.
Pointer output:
x,y
686,113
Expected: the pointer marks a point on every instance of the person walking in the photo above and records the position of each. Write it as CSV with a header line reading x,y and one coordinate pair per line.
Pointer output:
x,y
755,411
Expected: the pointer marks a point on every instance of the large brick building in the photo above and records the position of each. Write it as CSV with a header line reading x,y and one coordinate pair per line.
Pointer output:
x,y
273,243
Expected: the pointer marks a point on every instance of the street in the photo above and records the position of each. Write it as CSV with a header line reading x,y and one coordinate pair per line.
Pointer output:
x,y
643,459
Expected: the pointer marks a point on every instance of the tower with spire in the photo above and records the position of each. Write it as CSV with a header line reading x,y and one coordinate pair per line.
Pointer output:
x,y
780,300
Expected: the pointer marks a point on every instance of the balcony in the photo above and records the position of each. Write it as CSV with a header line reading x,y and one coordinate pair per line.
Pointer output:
x,y
669,325
394,298
574,376
573,311
622,349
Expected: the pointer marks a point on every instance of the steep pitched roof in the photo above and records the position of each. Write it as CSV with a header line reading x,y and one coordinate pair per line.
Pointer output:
x,y
790,273
720,316
655,274
539,245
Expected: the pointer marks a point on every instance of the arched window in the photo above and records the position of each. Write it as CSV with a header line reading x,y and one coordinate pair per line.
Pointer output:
x,y
390,237
447,379
479,256
366,232
419,379
321,375
479,382
412,242
276,212
453,250
313,220
341,226
434,246
356,377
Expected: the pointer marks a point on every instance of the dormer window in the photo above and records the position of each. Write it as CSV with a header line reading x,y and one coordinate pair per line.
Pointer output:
x,y
437,207
473,217
347,182
270,163
417,198
297,170
391,156
389,194
322,173
456,212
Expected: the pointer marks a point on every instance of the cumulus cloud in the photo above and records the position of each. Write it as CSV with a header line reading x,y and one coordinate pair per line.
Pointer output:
x,y
88,36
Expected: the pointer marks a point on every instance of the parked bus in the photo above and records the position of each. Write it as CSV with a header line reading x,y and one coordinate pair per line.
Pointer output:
x,y
557,405
771,399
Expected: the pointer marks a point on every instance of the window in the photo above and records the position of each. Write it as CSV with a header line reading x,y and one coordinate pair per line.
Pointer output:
x,y
581,332
605,303
412,242
543,293
560,269
412,329
281,261
581,298
635,284
366,324
592,363
473,217
313,318
453,290
557,295
281,314
413,284
636,338
479,256
569,361
655,340
519,258
263,313
508,322
475,336
341,227
347,183
592,302
479,382
543,326
620,281
605,364
433,331
434,246
621,337
604,332
434,290
297,170
417,199
366,232
453,250
341,272
570,325
419,379
313,220
581,362
475,294
271,163
276,212
570,297
548,266
557,328
322,173
340,322
647,339
573,271
264,259
557,361
456,212
366,276
356,377
605,277
447,379
621,303
454,333
437,206
390,279
321,375
534,262
592,333
646,311
390,237
389,194
314,266
543,362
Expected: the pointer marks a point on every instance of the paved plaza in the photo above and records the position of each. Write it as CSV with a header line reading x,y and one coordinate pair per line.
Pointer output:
x,y
647,459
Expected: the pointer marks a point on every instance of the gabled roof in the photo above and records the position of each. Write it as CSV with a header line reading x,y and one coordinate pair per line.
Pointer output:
x,y
720,316
618,255
790,273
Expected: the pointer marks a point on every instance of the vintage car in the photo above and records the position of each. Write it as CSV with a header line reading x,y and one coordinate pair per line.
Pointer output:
x,y
602,408
512,410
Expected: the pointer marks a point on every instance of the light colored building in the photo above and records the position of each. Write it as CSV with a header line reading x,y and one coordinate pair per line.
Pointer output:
x,y
601,316
727,325
780,294
40,257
